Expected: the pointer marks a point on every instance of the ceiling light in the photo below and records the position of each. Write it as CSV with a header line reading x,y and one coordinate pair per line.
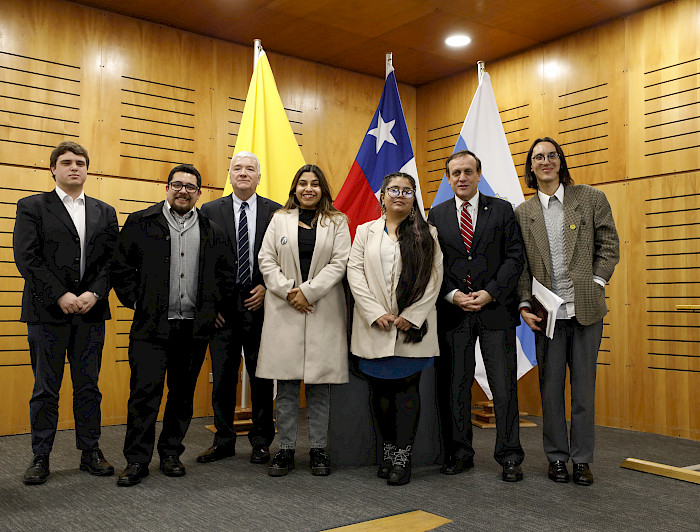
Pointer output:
x,y
457,41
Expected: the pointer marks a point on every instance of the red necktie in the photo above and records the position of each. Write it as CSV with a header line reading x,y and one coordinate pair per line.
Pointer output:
x,y
465,227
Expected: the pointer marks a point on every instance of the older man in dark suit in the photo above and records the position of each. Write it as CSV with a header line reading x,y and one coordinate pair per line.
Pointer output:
x,y
483,258
244,216
572,248
63,244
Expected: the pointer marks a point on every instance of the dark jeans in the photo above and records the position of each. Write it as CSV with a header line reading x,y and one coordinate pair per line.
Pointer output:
x,y
455,375
242,331
48,347
181,357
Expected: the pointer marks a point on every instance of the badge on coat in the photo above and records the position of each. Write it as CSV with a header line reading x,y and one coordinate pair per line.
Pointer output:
x,y
283,240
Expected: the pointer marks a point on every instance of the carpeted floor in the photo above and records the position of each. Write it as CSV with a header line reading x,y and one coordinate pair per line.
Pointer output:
x,y
235,495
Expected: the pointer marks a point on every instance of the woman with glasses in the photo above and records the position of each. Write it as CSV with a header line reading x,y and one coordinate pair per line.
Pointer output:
x,y
304,337
395,272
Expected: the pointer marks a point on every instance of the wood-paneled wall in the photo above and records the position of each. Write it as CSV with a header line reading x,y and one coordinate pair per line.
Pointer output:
x,y
623,100
141,98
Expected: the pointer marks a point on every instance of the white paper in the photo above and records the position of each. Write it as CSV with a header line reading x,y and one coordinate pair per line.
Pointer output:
x,y
550,301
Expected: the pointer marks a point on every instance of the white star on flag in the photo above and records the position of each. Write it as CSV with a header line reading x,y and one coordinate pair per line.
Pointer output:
x,y
383,132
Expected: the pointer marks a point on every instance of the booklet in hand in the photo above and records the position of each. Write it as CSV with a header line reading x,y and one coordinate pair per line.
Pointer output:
x,y
545,304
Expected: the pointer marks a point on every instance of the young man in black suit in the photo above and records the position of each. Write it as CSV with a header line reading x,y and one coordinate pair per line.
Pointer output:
x,y
63,244
483,258
241,326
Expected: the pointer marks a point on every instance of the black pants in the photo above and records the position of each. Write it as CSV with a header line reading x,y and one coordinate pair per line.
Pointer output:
x,y
241,331
396,408
455,375
181,357
48,347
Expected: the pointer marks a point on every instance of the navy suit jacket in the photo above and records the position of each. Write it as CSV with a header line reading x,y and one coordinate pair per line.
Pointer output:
x,y
494,262
47,254
220,211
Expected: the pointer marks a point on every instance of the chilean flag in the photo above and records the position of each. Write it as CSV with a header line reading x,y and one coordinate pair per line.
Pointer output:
x,y
386,148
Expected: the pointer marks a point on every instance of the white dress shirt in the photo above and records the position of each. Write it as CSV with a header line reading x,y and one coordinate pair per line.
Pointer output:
x,y
76,210
251,216
473,210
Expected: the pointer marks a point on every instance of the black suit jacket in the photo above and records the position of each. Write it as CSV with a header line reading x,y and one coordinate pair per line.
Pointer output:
x,y
47,254
141,273
221,211
495,261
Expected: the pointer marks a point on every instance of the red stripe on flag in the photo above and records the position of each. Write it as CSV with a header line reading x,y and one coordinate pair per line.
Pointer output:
x,y
357,200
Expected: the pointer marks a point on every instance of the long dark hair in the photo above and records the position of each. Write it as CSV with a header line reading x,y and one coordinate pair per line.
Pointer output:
x,y
564,175
417,252
324,207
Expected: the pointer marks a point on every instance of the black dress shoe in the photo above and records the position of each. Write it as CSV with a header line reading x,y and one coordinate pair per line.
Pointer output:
x,y
582,475
38,470
95,463
133,474
171,466
282,463
454,466
320,462
558,471
512,472
216,452
387,460
260,454
400,473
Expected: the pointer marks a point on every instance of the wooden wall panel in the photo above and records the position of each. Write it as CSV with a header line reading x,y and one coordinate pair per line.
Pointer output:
x,y
141,97
625,109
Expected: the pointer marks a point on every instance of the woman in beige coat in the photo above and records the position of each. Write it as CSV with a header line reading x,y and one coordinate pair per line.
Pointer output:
x,y
395,272
303,259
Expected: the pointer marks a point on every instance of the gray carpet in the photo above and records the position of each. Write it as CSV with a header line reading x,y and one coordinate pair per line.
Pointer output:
x,y
236,495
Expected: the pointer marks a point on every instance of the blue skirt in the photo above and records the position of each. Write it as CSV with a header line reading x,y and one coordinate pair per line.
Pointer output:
x,y
394,367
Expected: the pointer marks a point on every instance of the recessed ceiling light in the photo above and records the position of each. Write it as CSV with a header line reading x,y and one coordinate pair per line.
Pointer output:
x,y
457,41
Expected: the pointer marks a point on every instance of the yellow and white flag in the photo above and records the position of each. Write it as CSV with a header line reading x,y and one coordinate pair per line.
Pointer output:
x,y
265,131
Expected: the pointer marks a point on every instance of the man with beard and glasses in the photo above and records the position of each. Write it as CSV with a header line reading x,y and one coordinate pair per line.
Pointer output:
x,y
172,266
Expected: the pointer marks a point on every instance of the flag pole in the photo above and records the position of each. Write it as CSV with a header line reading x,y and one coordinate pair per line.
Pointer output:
x,y
389,64
257,48
480,70
245,380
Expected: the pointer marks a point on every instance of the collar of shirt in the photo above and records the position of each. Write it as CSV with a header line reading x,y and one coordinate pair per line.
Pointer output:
x,y
251,201
176,220
66,199
474,203
544,198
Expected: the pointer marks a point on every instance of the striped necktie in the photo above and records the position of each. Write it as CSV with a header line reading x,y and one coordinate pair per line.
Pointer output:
x,y
243,248
465,227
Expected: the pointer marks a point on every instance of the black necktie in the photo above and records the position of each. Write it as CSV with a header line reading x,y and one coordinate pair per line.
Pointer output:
x,y
243,250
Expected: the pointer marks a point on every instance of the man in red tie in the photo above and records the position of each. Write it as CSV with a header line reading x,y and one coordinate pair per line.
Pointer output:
x,y
483,258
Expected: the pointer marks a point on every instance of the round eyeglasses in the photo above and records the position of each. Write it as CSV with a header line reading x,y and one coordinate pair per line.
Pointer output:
x,y
395,192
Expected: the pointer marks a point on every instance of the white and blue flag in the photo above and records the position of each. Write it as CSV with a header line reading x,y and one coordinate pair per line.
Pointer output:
x,y
482,134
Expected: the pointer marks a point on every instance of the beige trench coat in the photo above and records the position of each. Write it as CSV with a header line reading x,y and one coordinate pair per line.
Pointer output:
x,y
295,346
373,299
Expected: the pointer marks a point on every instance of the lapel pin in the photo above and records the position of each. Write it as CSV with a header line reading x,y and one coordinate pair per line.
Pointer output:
x,y
283,240
573,226
486,208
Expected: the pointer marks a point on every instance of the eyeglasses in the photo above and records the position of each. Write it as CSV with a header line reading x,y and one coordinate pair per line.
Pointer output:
x,y
395,192
189,187
551,156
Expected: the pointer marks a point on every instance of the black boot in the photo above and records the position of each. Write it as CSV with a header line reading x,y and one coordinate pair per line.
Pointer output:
x,y
320,462
400,473
282,463
387,460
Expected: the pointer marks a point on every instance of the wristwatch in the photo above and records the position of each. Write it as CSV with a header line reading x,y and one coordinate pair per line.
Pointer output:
x,y
97,296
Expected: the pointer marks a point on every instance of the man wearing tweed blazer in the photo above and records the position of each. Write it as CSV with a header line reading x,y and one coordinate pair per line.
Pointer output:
x,y
572,248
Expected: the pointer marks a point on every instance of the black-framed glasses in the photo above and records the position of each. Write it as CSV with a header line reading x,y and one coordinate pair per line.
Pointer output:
x,y
541,156
189,187
395,192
